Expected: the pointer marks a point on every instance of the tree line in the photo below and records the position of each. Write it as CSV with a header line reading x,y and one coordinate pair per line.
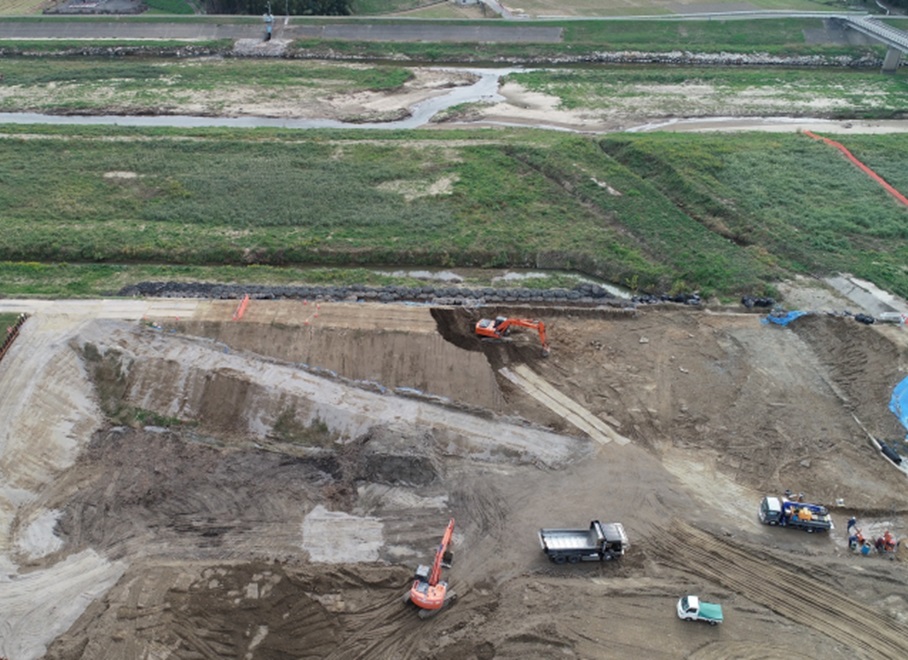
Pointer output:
x,y
292,7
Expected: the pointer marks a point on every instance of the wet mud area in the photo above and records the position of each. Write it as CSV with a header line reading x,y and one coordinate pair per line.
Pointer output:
x,y
265,487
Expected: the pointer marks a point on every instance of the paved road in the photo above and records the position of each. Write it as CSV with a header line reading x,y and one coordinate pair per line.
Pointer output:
x,y
115,29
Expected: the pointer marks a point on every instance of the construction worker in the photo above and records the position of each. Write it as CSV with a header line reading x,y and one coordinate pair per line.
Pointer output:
x,y
269,23
888,542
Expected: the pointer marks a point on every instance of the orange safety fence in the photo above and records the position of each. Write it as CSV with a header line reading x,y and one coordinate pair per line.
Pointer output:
x,y
869,172
241,308
314,315
11,333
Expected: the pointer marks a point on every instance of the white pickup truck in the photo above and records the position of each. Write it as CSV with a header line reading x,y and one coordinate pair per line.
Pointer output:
x,y
691,608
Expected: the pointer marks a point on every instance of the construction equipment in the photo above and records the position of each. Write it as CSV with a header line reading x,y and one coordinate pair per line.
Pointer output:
x,y
886,544
429,592
601,542
794,513
500,327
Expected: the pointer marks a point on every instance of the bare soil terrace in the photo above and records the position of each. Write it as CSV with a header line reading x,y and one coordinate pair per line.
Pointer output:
x,y
325,445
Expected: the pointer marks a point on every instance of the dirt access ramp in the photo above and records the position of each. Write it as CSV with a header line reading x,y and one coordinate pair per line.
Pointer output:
x,y
320,459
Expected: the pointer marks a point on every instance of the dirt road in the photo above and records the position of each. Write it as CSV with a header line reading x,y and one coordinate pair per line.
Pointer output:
x,y
321,449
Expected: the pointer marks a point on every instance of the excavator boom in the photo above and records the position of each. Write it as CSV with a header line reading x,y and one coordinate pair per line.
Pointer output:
x,y
435,576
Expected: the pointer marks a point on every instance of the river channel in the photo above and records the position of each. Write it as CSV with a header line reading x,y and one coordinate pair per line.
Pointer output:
x,y
484,90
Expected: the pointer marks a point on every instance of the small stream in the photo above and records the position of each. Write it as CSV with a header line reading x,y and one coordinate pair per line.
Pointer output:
x,y
483,90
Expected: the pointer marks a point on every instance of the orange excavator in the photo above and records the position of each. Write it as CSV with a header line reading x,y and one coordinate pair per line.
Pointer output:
x,y
429,592
501,327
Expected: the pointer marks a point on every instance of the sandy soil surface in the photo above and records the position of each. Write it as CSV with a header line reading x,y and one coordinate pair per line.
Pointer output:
x,y
323,448
645,108
673,109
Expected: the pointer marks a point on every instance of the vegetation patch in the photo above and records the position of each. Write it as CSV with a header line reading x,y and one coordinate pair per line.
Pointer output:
x,y
169,7
791,202
288,428
720,214
142,86
7,319
717,91
109,371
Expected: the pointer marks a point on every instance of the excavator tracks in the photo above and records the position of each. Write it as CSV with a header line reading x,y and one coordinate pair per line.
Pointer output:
x,y
792,594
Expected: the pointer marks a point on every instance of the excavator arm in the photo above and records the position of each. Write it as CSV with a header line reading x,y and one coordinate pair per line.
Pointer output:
x,y
439,562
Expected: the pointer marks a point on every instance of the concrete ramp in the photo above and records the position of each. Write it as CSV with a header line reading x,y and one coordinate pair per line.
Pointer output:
x,y
567,408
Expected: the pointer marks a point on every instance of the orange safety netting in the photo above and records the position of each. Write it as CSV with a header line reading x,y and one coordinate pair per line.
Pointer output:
x,y
241,308
869,172
11,333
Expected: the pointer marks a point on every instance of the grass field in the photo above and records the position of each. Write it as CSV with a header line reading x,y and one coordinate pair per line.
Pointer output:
x,y
660,212
147,85
382,7
169,7
22,7
849,93
583,39
569,8
550,8
565,8
6,321
88,210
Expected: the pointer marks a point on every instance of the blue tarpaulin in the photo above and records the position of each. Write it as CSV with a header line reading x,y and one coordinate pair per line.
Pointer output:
x,y
783,319
898,404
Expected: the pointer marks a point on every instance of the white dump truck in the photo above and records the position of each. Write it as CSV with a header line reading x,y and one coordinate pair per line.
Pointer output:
x,y
601,542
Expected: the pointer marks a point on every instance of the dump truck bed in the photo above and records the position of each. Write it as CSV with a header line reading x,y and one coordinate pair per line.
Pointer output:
x,y
568,539
711,611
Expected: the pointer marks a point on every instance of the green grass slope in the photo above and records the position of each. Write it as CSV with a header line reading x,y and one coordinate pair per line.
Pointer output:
x,y
796,203
658,212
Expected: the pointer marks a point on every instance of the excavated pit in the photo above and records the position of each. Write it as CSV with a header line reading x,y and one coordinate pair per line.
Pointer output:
x,y
265,488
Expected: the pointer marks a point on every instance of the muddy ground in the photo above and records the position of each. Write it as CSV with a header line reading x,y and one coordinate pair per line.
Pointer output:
x,y
177,484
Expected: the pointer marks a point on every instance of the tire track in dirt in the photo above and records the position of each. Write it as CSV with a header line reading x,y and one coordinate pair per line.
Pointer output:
x,y
380,631
799,597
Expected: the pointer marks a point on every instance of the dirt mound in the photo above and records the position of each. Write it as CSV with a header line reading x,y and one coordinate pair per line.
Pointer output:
x,y
583,293
864,366
159,493
400,456
228,610
455,325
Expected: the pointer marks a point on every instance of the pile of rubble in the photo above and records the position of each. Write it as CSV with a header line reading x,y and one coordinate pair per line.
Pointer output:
x,y
429,294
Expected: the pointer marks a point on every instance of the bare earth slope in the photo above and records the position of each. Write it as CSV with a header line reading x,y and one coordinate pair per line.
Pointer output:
x,y
323,448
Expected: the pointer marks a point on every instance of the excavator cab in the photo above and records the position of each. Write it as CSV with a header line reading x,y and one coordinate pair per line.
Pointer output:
x,y
488,326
